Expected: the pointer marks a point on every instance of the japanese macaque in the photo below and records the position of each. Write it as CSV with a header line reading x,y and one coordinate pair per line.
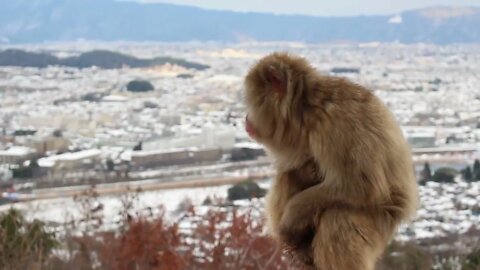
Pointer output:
x,y
345,178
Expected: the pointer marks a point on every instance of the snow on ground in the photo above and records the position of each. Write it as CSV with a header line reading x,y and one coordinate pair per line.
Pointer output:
x,y
64,209
445,208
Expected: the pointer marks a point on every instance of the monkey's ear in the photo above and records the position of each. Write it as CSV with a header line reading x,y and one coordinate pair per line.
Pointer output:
x,y
276,79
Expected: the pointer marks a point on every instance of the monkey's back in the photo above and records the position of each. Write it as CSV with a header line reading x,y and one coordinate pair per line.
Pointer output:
x,y
360,145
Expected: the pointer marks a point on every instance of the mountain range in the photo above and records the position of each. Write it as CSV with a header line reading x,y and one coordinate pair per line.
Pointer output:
x,y
33,21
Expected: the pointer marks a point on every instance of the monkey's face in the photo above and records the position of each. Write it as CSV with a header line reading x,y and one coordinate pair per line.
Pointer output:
x,y
274,96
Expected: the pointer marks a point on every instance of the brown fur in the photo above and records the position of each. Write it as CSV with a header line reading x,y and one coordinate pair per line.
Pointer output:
x,y
363,186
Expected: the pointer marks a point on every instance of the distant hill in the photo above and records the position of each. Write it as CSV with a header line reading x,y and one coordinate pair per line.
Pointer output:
x,y
28,21
99,58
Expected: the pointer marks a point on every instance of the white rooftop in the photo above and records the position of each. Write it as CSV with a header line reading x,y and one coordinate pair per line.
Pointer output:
x,y
17,151
50,161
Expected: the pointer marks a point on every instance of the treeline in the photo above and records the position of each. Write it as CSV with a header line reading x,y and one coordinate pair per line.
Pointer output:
x,y
98,58
448,175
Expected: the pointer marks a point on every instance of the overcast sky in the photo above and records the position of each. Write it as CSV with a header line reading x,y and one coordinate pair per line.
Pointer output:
x,y
321,7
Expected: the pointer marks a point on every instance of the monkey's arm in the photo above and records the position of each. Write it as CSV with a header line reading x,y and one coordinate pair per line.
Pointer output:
x,y
284,187
303,211
281,191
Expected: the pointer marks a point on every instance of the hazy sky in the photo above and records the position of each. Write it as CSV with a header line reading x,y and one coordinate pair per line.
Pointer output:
x,y
321,7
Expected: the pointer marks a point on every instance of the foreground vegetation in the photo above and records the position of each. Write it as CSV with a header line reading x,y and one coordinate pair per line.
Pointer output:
x,y
215,235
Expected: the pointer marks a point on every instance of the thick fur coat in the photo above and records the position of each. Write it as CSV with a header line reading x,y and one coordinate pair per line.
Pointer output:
x,y
345,178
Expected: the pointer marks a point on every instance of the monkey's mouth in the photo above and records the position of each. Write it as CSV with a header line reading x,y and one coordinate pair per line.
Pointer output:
x,y
250,129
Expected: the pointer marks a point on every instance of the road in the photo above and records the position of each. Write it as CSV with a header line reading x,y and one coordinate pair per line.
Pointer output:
x,y
180,179
145,185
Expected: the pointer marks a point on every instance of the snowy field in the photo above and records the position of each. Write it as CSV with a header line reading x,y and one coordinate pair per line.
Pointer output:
x,y
64,209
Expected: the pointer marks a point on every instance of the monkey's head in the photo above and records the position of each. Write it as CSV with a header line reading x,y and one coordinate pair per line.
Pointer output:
x,y
275,99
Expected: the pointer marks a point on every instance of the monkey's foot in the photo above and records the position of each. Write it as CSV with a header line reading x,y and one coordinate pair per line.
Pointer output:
x,y
297,237
301,256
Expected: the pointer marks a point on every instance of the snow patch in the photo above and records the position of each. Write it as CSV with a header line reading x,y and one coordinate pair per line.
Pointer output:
x,y
397,19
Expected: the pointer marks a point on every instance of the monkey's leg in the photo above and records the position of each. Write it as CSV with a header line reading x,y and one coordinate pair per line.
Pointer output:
x,y
348,239
349,234
304,210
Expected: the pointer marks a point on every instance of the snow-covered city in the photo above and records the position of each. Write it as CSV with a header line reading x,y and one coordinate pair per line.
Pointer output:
x,y
175,131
